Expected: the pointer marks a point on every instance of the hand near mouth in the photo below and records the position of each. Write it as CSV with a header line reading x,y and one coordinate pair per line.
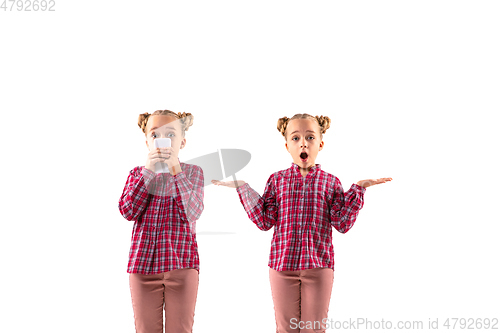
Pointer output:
x,y
369,182
232,184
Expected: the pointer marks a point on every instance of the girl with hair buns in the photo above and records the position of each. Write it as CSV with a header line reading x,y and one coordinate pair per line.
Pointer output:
x,y
163,261
302,203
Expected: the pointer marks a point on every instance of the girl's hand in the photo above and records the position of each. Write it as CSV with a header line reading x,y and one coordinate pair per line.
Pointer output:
x,y
369,182
154,156
172,160
232,184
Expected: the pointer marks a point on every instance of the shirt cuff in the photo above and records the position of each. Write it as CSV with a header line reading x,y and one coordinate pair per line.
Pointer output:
x,y
359,188
148,174
179,174
242,188
183,183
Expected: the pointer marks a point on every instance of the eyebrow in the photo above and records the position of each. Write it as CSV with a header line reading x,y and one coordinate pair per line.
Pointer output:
x,y
306,131
161,126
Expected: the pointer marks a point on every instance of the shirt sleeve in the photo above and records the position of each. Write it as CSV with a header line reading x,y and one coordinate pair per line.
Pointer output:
x,y
134,198
263,211
190,193
344,207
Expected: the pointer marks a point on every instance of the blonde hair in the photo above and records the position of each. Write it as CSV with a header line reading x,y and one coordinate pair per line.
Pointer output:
x,y
185,119
323,122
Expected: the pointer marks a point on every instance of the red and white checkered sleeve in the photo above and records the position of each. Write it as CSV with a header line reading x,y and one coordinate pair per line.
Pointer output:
x,y
134,198
190,191
344,207
263,211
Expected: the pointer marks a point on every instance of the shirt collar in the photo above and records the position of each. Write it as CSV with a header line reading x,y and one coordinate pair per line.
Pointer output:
x,y
312,171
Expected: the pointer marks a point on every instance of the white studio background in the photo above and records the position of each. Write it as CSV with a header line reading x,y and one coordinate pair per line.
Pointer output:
x,y
412,90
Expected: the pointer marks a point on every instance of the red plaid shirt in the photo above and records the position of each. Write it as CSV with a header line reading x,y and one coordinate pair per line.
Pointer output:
x,y
165,209
302,211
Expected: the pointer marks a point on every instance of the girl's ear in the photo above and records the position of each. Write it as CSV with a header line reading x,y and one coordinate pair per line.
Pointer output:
x,y
183,143
321,145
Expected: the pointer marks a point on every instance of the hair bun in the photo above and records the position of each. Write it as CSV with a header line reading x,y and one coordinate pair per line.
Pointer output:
x,y
282,123
324,123
143,120
186,119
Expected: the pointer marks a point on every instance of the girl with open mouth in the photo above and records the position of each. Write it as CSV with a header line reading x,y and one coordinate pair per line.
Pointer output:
x,y
303,203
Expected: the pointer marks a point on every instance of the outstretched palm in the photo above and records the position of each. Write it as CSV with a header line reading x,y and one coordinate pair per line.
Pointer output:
x,y
370,182
233,184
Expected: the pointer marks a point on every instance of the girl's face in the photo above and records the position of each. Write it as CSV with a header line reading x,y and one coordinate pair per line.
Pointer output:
x,y
303,141
164,126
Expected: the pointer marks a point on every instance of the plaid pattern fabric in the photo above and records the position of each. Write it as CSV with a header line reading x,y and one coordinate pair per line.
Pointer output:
x,y
302,212
165,209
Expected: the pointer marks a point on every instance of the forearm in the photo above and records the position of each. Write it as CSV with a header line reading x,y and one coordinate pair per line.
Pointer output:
x,y
190,196
133,200
263,217
346,208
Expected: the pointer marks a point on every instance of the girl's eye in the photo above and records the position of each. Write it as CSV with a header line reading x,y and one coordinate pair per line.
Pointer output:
x,y
311,137
293,139
168,135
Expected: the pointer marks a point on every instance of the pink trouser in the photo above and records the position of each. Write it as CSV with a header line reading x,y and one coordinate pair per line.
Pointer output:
x,y
301,299
176,290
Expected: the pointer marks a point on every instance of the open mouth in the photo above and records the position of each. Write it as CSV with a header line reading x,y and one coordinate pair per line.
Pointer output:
x,y
303,156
